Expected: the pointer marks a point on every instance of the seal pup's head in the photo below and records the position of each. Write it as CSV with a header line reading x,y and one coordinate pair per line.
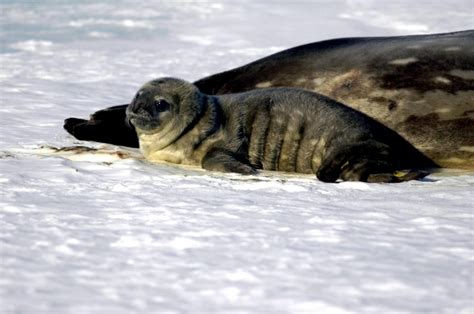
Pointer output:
x,y
162,109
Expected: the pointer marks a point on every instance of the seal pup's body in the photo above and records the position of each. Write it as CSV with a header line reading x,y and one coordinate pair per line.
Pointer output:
x,y
273,129
420,86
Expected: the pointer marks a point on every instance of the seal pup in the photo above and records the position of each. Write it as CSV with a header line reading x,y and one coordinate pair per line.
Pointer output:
x,y
421,86
281,129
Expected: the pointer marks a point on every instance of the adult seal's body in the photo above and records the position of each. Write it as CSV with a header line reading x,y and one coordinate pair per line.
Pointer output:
x,y
420,86
273,129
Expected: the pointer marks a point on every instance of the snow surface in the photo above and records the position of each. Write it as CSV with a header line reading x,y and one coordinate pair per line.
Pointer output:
x,y
97,233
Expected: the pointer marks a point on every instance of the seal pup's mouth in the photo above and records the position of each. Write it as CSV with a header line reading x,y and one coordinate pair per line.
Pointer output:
x,y
148,115
142,122
141,116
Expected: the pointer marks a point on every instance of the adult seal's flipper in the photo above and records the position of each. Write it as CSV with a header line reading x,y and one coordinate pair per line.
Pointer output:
x,y
105,126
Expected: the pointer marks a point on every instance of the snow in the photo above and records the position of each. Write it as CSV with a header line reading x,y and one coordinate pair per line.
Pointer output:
x,y
105,231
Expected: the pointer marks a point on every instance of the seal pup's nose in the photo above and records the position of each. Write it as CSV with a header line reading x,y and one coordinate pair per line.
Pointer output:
x,y
142,108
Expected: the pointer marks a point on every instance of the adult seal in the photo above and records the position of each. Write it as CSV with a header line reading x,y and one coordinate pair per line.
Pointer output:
x,y
281,129
420,86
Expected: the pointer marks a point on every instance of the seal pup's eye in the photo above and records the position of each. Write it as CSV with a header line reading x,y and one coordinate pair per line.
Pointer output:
x,y
162,105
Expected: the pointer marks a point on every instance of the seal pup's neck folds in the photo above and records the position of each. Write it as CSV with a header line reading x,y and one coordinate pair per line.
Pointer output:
x,y
186,131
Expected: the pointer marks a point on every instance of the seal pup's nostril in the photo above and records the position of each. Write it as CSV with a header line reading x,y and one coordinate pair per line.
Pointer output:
x,y
142,108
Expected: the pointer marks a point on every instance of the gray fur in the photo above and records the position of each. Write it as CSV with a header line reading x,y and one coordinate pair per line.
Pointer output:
x,y
273,129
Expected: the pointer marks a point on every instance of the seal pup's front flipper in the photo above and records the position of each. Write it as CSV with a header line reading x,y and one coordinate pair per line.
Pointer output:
x,y
223,160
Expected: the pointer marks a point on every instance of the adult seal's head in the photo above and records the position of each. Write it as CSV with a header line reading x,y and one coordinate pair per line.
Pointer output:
x,y
156,107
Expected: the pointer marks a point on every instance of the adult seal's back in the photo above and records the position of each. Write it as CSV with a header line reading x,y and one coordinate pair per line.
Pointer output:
x,y
273,129
420,86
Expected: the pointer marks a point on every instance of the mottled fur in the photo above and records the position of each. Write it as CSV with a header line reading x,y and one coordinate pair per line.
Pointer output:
x,y
420,86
